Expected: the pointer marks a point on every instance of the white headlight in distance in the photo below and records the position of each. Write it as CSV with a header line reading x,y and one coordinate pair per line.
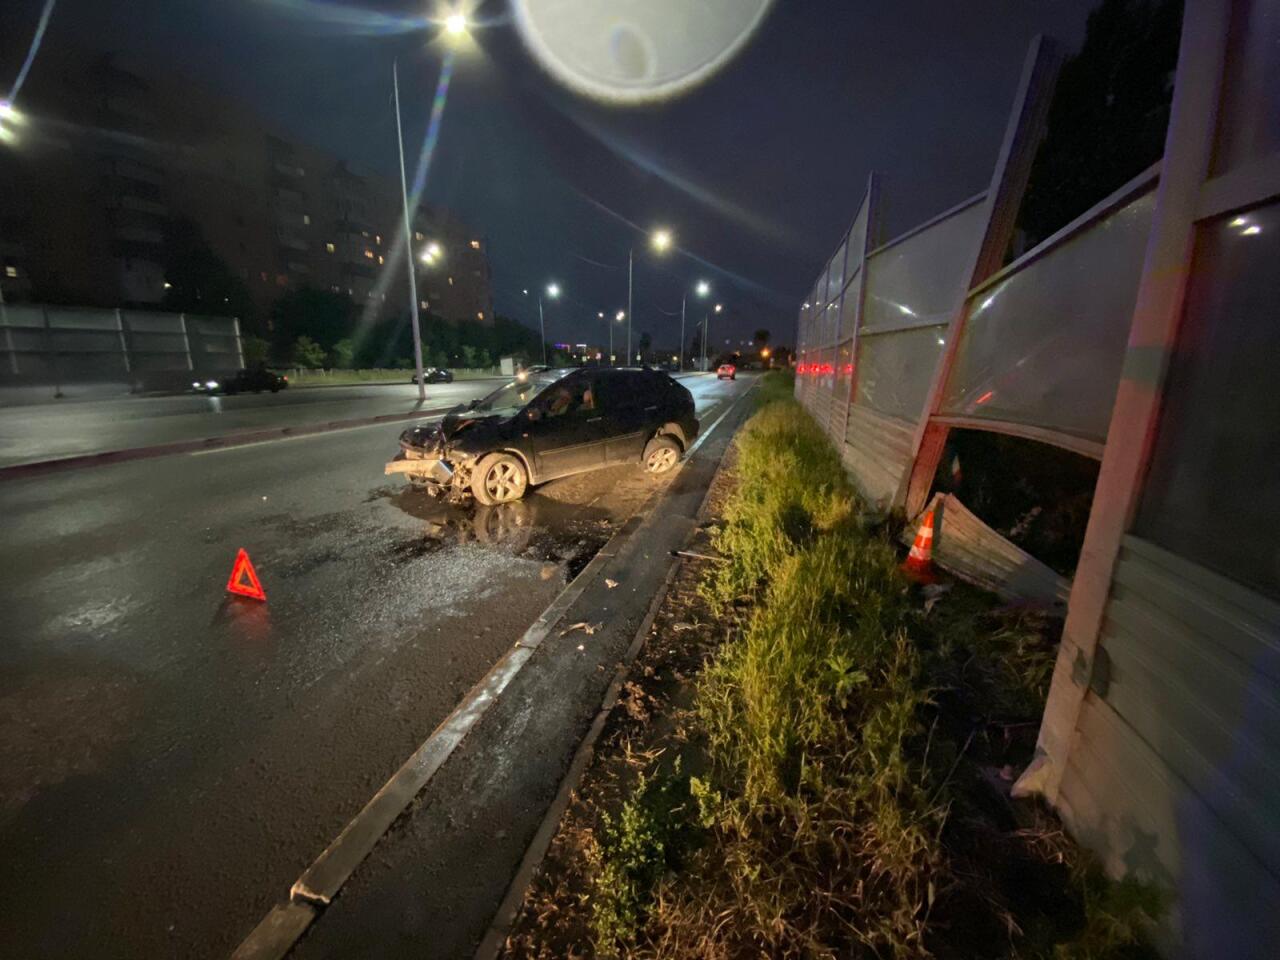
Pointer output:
x,y
196,385
212,384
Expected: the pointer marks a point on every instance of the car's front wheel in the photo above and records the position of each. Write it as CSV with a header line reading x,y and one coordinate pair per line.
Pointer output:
x,y
498,478
661,454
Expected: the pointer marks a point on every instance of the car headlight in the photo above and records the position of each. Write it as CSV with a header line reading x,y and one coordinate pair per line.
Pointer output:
x,y
196,385
211,384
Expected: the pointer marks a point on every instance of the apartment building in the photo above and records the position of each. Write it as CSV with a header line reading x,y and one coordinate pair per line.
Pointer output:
x,y
107,157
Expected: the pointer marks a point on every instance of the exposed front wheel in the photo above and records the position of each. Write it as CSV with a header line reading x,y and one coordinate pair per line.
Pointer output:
x,y
498,478
661,454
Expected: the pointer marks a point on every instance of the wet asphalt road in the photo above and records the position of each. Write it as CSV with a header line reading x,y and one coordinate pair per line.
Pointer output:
x,y
174,759
73,427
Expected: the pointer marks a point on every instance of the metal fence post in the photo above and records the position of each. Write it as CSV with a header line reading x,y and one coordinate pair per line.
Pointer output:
x,y
186,341
51,347
8,336
124,346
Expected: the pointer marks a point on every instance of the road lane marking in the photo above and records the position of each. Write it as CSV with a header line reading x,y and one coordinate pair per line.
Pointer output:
x,y
307,436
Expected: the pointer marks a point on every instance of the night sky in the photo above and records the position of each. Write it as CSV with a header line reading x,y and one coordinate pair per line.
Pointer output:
x,y
758,171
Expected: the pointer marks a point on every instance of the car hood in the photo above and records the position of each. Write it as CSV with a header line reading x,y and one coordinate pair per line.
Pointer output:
x,y
458,422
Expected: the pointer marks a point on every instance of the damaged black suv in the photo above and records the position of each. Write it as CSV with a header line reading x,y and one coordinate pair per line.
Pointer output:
x,y
552,424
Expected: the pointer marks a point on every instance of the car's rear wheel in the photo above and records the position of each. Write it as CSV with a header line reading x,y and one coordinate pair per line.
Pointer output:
x,y
499,478
661,454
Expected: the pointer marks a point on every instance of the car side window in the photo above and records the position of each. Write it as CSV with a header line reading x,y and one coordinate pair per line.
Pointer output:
x,y
565,399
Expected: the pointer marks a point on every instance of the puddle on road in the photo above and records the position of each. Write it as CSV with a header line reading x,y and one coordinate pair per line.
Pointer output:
x,y
537,528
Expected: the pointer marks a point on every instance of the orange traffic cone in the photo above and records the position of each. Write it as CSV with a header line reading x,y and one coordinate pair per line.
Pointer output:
x,y
919,562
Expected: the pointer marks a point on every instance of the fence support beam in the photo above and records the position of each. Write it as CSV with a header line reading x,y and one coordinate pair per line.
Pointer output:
x,y
1008,182
1189,145
870,238
186,340
124,346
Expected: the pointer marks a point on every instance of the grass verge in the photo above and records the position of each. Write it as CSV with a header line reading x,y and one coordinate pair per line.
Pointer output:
x,y
838,785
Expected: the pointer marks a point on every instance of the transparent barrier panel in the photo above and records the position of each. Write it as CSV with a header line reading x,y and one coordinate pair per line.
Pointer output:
x,y
894,370
1044,347
1211,492
144,322
65,319
923,277
19,315
849,307
835,275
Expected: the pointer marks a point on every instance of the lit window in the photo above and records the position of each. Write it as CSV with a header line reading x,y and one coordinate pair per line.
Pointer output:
x,y
377,238
480,315
418,235
365,234
423,304
335,288
306,219
10,271
475,244
451,281
380,258
368,253
329,247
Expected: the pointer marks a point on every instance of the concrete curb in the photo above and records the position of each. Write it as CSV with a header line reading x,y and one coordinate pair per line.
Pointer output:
x,y
492,943
240,439
281,928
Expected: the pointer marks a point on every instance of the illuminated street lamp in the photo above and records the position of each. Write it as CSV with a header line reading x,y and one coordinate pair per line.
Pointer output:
x,y
661,240
455,24
618,318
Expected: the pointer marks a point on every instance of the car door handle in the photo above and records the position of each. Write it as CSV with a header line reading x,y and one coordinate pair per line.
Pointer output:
x,y
595,419
651,409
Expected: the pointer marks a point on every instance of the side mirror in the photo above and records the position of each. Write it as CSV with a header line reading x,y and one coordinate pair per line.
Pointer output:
x,y
473,404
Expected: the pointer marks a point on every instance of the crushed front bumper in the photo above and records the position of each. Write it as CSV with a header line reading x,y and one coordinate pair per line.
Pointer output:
x,y
428,469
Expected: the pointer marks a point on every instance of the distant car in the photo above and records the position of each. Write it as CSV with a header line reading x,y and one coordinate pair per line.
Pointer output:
x,y
727,371
255,379
549,425
528,372
433,375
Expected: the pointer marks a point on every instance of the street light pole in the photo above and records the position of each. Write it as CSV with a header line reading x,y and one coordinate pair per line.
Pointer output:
x,y
630,257
408,240
542,330
683,297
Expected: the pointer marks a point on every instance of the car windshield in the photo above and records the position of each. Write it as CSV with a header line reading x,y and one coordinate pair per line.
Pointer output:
x,y
510,399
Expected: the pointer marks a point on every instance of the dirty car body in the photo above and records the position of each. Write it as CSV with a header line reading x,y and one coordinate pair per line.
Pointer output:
x,y
553,424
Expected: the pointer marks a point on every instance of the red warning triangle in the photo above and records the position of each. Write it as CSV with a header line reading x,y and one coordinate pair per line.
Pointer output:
x,y
244,580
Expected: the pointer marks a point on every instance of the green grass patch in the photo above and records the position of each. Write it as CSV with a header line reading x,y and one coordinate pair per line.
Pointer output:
x,y
841,813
